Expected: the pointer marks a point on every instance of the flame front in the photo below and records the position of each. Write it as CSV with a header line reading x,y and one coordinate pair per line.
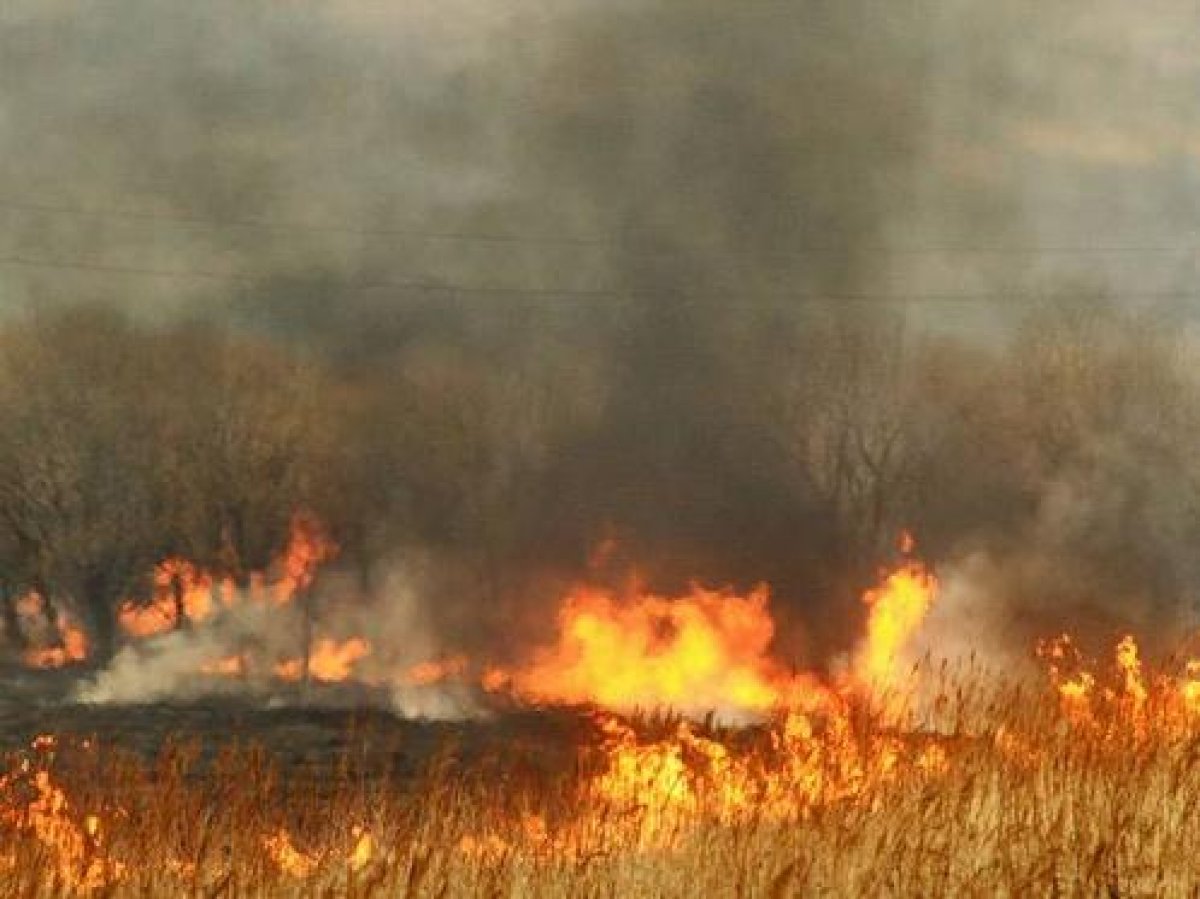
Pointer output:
x,y
309,547
712,650
826,752
183,593
73,842
652,788
897,609
331,661
66,642
707,650
703,651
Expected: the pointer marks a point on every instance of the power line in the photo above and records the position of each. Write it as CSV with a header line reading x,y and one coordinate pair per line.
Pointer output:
x,y
249,278
198,221
105,268
314,227
611,293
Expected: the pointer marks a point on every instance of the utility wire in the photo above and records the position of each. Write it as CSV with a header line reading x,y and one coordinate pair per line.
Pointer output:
x,y
531,292
314,227
193,221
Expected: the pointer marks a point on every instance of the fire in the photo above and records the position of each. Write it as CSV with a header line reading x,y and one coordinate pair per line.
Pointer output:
x,y
364,850
652,778
1076,692
424,674
67,643
309,547
822,747
1190,689
290,669
287,857
185,593
230,666
301,865
73,842
706,650
650,787
897,609
330,662
495,680
179,587
662,788
1074,684
146,621
710,650
1121,700
1130,667
73,648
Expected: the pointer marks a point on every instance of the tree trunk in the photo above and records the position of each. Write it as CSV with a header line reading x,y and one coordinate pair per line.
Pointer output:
x,y
13,628
50,613
182,622
306,637
99,607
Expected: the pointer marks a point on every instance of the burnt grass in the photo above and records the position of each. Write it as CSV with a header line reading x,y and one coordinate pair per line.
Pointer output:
x,y
306,734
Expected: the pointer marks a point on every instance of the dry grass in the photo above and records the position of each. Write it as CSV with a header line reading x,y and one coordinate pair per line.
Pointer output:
x,y
1014,799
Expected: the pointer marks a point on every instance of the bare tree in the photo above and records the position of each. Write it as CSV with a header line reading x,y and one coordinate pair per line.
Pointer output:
x,y
846,413
74,461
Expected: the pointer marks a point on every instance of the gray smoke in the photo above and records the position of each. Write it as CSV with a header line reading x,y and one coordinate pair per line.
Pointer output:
x,y
657,270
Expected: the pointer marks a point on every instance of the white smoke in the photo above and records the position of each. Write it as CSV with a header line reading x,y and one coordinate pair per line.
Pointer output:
x,y
181,665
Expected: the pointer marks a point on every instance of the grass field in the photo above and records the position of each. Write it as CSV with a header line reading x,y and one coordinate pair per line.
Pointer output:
x,y
1088,787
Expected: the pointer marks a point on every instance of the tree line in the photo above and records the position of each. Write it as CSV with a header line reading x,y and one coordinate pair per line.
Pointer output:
x,y
1064,448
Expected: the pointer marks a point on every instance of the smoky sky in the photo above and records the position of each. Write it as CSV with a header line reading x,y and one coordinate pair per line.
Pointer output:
x,y
628,209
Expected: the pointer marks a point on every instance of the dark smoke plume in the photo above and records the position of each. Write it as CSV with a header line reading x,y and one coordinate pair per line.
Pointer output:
x,y
599,270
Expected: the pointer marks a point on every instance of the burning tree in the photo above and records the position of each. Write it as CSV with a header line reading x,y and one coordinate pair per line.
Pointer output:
x,y
242,429
124,447
78,506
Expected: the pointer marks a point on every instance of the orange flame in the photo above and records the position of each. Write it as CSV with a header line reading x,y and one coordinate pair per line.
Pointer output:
x,y
707,650
71,841
196,588
364,850
1130,667
1120,700
200,593
702,651
897,609
69,643
436,671
1190,688
230,666
186,593
287,857
309,547
710,650
330,662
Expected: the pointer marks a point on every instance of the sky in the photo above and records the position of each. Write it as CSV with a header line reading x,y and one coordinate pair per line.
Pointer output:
x,y
641,210
1049,143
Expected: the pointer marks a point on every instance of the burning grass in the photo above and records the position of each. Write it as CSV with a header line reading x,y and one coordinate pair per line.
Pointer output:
x,y
1005,792
886,778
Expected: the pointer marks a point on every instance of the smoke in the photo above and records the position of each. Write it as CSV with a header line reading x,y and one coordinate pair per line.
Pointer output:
x,y
251,641
167,667
622,270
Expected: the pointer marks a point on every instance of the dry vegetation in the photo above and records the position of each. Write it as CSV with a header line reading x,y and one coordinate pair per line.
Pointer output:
x,y
1061,457
1019,792
1087,788
684,297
